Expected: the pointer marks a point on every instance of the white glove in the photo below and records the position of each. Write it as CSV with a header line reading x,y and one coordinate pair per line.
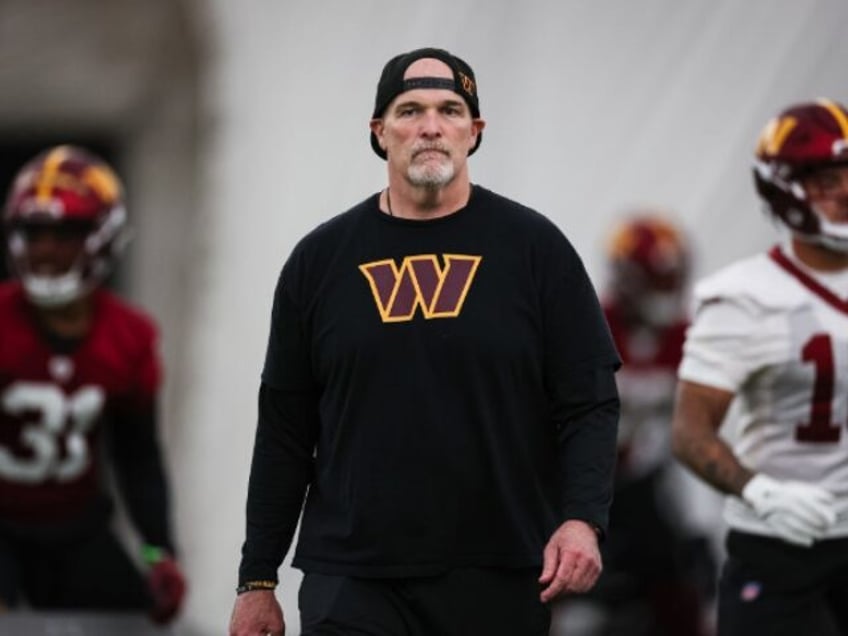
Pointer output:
x,y
800,513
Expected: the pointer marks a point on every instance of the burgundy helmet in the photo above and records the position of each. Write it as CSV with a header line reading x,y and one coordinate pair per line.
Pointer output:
x,y
801,139
66,186
649,266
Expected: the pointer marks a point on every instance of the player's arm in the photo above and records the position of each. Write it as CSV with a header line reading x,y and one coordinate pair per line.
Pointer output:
x,y
140,472
798,512
698,413
133,432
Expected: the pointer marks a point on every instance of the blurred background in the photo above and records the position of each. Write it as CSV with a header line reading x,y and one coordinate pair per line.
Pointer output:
x,y
239,126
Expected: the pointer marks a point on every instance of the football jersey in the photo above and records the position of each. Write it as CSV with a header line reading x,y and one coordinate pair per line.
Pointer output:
x,y
54,405
646,384
776,334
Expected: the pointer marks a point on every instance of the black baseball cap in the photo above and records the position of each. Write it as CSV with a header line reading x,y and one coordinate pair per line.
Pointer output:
x,y
392,84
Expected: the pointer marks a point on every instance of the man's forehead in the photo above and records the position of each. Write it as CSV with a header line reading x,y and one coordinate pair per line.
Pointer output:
x,y
428,67
427,96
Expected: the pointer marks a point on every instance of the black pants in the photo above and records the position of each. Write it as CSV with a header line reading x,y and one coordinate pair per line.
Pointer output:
x,y
773,588
462,602
87,571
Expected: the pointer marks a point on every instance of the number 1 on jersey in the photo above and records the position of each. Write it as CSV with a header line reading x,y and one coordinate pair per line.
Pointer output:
x,y
820,428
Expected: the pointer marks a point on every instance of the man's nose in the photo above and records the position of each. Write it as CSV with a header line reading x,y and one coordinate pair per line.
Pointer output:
x,y
431,125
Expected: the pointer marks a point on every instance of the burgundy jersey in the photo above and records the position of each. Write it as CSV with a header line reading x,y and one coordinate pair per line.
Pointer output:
x,y
54,405
646,385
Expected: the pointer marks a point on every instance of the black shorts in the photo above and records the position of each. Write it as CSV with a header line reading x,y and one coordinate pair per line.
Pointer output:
x,y
768,586
462,602
88,571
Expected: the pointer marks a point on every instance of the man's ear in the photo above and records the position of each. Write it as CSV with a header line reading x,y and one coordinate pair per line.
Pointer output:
x,y
377,128
477,126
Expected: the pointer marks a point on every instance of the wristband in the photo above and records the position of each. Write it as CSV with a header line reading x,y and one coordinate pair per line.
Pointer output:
x,y
152,554
250,586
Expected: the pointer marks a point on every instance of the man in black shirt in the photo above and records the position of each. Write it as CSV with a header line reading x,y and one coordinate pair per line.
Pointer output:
x,y
439,388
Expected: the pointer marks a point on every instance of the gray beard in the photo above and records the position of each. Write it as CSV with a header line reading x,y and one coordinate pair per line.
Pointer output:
x,y
429,176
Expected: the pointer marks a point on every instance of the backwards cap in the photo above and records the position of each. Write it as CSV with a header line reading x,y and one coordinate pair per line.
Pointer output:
x,y
392,84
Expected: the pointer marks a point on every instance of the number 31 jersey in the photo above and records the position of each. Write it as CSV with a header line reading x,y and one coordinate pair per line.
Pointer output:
x,y
54,405
776,335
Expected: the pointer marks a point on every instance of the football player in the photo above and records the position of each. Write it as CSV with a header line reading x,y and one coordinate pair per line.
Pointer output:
x,y
79,378
772,331
657,568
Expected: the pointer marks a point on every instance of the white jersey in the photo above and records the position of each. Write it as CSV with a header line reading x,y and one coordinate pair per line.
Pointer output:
x,y
776,335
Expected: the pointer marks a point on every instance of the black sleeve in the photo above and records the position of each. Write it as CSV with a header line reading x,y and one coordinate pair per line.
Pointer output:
x,y
280,472
587,443
580,366
140,474
286,434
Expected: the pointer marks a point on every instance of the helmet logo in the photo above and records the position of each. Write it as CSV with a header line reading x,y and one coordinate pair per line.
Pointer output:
x,y
840,147
774,135
103,181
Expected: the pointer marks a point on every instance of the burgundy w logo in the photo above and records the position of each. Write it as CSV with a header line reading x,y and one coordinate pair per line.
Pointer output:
x,y
421,282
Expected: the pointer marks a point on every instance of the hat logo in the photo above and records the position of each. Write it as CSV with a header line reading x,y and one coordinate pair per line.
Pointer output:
x,y
467,83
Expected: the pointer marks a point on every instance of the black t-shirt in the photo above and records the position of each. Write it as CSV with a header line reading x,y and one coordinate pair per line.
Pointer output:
x,y
454,378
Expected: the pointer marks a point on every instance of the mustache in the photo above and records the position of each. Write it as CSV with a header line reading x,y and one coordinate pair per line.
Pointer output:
x,y
417,150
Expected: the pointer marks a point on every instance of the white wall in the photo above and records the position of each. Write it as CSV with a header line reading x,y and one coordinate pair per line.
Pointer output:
x,y
592,107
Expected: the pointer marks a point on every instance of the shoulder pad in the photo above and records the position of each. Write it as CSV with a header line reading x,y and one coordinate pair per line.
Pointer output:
x,y
757,283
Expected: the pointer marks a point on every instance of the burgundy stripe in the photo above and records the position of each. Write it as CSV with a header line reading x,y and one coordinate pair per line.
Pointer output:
x,y
808,281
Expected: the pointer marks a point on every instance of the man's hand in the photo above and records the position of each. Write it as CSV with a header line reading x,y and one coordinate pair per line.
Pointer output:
x,y
572,560
168,587
800,513
257,613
